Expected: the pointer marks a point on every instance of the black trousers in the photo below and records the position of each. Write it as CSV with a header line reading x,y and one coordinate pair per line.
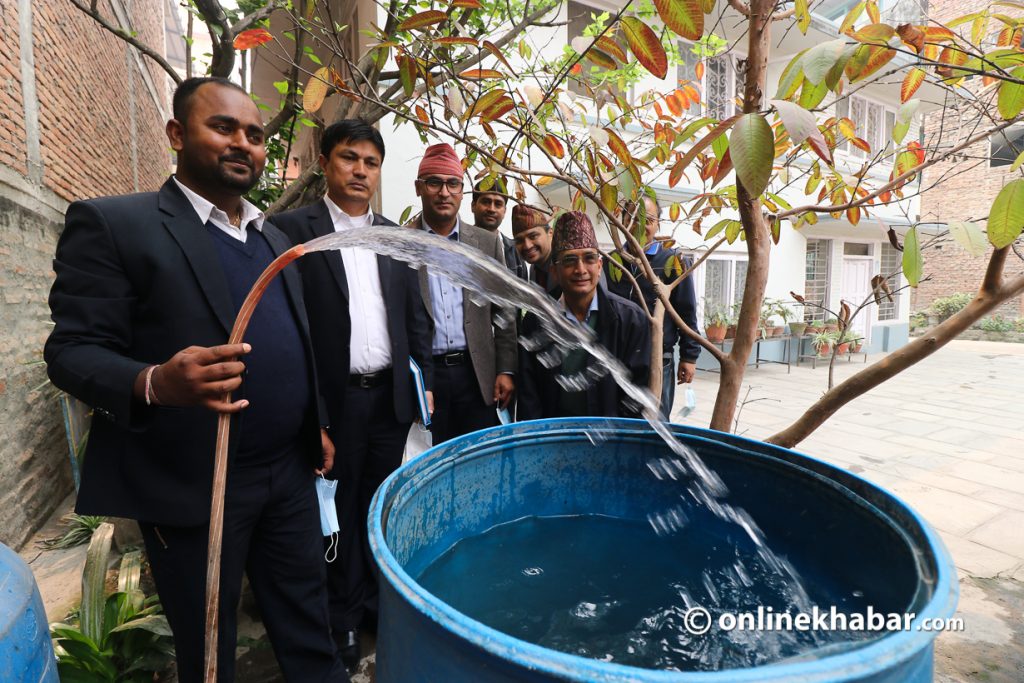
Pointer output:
x,y
458,407
369,444
272,533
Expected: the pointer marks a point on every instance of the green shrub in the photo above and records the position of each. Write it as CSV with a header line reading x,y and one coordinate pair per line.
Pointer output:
x,y
121,637
997,323
947,306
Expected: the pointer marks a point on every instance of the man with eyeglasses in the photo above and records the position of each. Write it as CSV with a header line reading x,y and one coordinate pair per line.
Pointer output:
x,y
532,234
682,298
474,359
619,324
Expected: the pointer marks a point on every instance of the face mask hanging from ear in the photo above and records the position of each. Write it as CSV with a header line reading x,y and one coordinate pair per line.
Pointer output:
x,y
325,490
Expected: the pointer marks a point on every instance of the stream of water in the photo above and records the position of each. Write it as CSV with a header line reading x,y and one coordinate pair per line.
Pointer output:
x,y
484,279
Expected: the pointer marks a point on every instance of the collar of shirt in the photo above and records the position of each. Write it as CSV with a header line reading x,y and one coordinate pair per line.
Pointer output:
x,y
572,316
652,248
207,211
343,221
453,235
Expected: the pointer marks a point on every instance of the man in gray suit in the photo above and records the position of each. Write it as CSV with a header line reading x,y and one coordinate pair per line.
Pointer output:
x,y
474,359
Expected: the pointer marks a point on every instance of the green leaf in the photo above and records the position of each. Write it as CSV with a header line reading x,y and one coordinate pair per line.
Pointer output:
x,y
912,263
732,230
820,58
1006,219
904,117
684,17
811,95
1017,162
405,215
615,267
719,146
155,623
803,15
792,77
1011,96
752,147
969,236
717,228
93,578
645,46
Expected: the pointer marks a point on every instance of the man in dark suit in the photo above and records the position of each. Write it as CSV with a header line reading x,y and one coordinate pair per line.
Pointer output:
x,y
474,358
367,320
488,213
147,289
619,324
667,264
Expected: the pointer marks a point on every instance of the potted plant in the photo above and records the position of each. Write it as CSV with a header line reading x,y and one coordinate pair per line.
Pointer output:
x,y
831,325
798,328
822,343
715,322
732,320
856,344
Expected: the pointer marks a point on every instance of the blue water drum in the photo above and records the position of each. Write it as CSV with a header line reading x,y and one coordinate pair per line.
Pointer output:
x,y
26,653
832,526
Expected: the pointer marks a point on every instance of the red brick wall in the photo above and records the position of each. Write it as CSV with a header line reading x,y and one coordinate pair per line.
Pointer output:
x,y
88,88
82,82
966,193
12,117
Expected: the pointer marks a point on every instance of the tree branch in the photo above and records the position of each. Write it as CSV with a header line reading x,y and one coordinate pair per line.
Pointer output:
x,y
896,362
128,38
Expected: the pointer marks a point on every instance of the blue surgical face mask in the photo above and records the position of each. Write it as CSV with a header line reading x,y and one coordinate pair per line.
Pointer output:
x,y
325,490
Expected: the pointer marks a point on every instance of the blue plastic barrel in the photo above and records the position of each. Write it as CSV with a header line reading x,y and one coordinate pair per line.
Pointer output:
x,y
26,653
824,520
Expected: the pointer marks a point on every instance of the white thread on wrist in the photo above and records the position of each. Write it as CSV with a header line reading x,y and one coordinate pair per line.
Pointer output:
x,y
151,398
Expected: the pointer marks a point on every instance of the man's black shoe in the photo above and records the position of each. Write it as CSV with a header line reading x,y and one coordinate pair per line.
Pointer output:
x,y
348,648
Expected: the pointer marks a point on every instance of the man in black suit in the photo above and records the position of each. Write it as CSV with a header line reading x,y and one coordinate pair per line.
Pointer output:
x,y
488,213
367,318
146,292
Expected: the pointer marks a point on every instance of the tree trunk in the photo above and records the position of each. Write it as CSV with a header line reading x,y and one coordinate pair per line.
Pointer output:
x,y
755,228
657,337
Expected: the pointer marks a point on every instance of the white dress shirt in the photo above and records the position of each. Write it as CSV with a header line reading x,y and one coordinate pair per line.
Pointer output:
x,y
210,213
370,343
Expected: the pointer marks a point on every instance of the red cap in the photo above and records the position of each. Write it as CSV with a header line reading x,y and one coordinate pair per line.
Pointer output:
x,y
441,160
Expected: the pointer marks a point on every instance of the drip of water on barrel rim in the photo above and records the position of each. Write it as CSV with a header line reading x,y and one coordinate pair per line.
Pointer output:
x,y
484,279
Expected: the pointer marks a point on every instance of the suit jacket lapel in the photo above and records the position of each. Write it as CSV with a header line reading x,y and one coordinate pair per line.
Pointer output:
x,y
190,234
424,279
469,239
321,224
279,244
384,268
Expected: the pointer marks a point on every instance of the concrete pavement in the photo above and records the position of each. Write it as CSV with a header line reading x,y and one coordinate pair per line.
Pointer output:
x,y
947,437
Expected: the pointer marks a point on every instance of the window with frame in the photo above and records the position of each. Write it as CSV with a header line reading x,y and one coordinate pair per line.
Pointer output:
x,y
720,86
816,280
873,121
724,280
1006,145
891,265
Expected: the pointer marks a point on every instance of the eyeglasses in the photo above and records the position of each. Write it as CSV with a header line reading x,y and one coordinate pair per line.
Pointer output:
x,y
572,260
454,185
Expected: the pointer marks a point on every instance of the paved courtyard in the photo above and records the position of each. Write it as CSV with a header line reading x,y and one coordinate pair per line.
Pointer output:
x,y
946,436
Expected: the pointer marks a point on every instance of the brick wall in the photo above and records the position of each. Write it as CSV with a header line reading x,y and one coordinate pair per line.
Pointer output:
x,y
100,132
966,193
34,471
12,117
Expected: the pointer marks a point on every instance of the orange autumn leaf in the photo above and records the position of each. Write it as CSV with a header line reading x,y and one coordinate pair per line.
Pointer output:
x,y
254,37
553,145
